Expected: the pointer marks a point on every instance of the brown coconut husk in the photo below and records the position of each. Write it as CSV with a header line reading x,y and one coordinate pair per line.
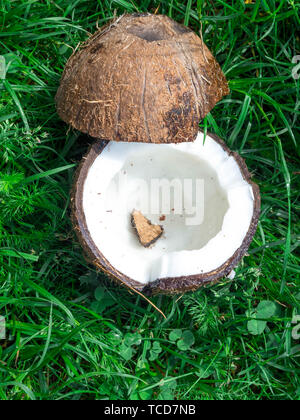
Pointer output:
x,y
141,78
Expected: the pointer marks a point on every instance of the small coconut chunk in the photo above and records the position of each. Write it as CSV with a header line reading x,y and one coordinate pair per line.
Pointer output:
x,y
147,233
231,275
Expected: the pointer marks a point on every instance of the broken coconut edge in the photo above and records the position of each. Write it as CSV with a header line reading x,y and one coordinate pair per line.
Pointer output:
x,y
168,285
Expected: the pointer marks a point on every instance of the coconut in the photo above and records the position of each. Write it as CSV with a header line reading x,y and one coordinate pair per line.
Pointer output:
x,y
141,78
198,246
157,205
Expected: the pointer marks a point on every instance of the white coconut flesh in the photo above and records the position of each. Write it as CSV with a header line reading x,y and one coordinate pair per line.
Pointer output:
x,y
121,179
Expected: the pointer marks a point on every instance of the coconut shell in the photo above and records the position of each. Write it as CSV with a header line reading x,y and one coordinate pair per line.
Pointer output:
x,y
141,78
164,285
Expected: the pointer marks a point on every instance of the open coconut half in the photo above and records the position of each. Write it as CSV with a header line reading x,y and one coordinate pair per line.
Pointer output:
x,y
201,190
154,205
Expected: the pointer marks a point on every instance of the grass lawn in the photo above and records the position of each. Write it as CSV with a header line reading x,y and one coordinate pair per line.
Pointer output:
x,y
71,333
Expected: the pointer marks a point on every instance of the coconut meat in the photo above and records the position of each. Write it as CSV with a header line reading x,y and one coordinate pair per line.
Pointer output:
x,y
196,191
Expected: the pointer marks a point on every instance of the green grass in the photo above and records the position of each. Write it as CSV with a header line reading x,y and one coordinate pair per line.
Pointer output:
x,y
68,338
